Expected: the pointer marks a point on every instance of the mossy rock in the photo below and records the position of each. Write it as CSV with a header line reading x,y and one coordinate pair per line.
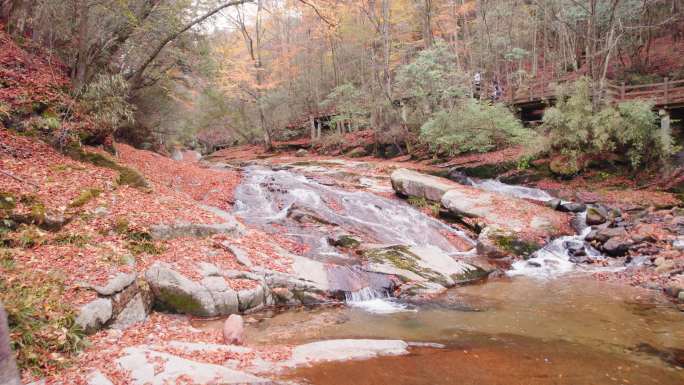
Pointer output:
x,y
488,171
498,243
8,202
178,302
566,167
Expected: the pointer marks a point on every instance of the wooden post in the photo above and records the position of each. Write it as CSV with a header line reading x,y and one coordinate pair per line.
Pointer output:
x,y
667,91
622,91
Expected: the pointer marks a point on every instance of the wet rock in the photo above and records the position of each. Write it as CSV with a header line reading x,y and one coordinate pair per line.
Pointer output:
x,y
675,286
496,243
251,298
146,366
94,315
412,183
421,264
602,235
458,176
343,350
357,152
9,375
617,246
596,216
346,241
553,204
301,153
175,292
572,207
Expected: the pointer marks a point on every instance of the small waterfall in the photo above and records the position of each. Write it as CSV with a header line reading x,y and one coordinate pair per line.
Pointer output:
x,y
374,301
559,256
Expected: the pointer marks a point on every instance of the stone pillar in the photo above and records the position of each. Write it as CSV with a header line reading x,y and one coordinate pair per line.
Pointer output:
x,y
9,375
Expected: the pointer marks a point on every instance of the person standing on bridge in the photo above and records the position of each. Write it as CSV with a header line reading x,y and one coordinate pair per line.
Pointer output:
x,y
477,82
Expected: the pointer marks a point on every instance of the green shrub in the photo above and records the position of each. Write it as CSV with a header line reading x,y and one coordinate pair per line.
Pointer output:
x,y
106,99
576,129
473,126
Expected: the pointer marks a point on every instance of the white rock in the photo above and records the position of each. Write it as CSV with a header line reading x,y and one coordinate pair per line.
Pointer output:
x,y
134,312
192,347
412,183
346,349
116,284
93,315
97,378
168,369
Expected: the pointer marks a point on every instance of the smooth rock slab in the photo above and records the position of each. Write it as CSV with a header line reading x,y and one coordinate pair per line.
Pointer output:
x,y
346,349
149,367
9,375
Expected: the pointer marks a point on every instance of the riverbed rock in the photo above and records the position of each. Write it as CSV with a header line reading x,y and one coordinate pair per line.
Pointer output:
x,y
596,216
617,246
9,375
572,207
602,235
497,243
173,291
413,264
301,153
150,367
412,183
344,350
94,315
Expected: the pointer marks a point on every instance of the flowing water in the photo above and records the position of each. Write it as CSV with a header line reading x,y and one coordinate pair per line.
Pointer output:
x,y
549,322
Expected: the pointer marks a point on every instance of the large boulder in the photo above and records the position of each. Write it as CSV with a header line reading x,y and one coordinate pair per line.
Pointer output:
x,y
496,243
413,183
9,375
422,269
173,291
529,221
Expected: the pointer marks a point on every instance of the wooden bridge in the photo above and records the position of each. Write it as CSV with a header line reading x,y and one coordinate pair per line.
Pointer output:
x,y
668,94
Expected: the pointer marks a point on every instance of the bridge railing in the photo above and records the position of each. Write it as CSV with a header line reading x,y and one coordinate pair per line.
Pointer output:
x,y
665,93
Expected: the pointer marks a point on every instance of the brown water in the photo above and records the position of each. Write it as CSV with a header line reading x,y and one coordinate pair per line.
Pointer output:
x,y
512,331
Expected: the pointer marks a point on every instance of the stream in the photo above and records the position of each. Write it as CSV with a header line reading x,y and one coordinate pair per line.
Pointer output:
x,y
546,322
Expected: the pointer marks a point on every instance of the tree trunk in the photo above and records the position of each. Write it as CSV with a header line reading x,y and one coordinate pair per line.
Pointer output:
x,y
81,66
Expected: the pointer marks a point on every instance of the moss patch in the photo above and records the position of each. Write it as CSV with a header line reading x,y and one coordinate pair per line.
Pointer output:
x,y
402,258
85,197
172,300
127,175
7,203
515,246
